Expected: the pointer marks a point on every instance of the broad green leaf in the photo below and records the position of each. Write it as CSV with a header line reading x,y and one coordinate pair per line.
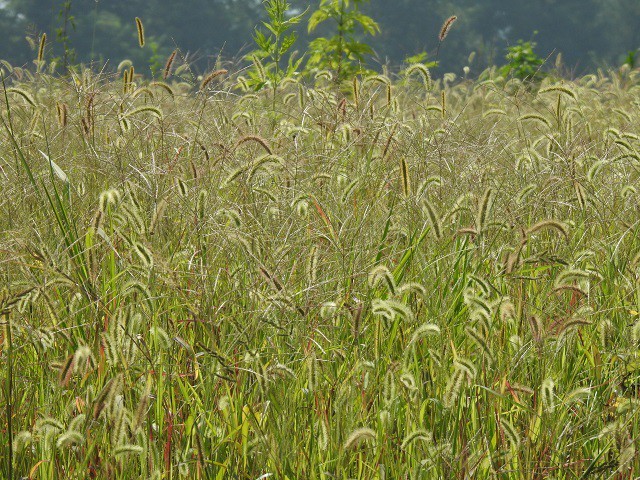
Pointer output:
x,y
317,18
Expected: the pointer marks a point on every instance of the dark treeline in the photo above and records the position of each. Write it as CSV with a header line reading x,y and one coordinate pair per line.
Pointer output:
x,y
588,33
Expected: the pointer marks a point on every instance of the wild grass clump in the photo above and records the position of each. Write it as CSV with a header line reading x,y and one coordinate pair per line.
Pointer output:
x,y
396,281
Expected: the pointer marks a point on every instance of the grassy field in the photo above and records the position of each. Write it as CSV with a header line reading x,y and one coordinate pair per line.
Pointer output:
x,y
399,281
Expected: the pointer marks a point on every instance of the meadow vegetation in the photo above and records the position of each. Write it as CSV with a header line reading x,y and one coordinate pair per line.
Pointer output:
x,y
403,277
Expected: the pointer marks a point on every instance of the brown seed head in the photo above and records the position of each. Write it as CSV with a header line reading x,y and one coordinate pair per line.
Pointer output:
x,y
169,64
43,41
140,32
211,76
446,26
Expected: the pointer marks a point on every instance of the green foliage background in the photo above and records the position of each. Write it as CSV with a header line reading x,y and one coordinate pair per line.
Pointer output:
x,y
580,29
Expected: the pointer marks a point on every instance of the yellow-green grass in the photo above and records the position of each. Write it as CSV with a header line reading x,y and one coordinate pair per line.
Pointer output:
x,y
436,281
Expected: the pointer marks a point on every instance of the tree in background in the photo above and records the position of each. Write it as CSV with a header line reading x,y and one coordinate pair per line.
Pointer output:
x,y
580,29
272,62
410,27
105,32
343,53
617,24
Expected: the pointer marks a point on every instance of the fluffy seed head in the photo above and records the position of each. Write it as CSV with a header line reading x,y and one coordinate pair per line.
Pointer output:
x,y
446,26
43,41
382,273
547,393
128,450
424,330
210,77
420,434
510,433
358,436
452,390
70,438
140,29
169,64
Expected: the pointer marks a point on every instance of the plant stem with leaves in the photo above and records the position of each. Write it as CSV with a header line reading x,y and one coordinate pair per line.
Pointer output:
x,y
273,45
343,53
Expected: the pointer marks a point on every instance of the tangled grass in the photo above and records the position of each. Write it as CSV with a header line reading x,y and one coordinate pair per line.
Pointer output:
x,y
415,279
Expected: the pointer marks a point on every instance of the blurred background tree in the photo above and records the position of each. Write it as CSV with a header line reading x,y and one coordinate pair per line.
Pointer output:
x,y
588,33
